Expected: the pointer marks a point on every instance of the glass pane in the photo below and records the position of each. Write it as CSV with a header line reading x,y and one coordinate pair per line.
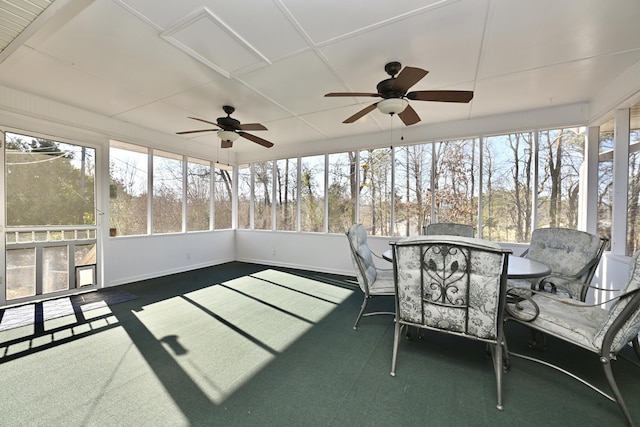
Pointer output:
x,y
560,153
167,193
507,187
342,192
262,202
128,190
375,191
26,236
633,216
223,195
455,180
412,193
198,195
287,194
21,273
244,197
312,194
605,179
55,269
33,198
85,255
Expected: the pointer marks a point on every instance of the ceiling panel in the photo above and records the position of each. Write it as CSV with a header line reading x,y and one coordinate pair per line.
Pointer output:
x,y
448,48
562,84
107,42
297,83
266,28
34,72
347,17
206,102
556,32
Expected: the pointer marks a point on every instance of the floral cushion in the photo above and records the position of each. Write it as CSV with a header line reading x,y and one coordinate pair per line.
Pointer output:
x,y
449,228
579,323
631,328
565,251
576,322
450,283
362,256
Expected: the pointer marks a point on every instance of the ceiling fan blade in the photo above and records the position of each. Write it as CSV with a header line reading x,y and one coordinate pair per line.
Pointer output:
x,y
441,95
195,131
251,126
205,121
334,94
407,78
226,144
361,113
409,116
256,139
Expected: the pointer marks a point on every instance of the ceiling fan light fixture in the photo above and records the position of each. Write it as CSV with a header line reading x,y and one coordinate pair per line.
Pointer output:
x,y
392,105
226,135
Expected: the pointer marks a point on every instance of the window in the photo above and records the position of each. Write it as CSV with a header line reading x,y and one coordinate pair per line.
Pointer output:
x,y
167,192
507,187
198,194
48,182
605,179
312,194
560,153
455,181
412,192
375,191
223,192
50,214
633,211
128,189
262,187
244,196
342,193
287,194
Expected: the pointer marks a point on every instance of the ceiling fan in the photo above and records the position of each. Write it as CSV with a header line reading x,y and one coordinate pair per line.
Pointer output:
x,y
229,129
394,93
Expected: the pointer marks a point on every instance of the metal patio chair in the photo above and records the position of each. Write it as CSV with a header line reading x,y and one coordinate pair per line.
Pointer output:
x,y
600,331
373,281
453,285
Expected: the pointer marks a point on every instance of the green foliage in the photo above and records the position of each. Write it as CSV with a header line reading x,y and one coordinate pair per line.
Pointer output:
x,y
48,183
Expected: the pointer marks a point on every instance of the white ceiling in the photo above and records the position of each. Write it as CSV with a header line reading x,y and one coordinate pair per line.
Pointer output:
x,y
155,63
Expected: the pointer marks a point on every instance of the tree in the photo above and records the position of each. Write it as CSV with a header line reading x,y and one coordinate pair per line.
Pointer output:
x,y
48,182
223,190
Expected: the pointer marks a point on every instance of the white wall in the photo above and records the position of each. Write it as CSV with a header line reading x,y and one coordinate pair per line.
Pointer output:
x,y
128,259
327,253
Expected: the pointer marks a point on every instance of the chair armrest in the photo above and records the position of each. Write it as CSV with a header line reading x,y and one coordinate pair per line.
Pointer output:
x,y
378,256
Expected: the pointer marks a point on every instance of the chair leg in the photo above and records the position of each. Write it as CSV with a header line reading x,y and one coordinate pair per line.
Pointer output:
x,y
364,306
606,365
636,346
506,363
396,338
498,367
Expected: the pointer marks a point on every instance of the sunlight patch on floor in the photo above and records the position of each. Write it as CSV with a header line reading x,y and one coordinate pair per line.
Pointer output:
x,y
223,335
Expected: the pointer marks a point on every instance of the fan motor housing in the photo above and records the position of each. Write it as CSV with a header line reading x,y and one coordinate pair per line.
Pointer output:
x,y
228,123
384,89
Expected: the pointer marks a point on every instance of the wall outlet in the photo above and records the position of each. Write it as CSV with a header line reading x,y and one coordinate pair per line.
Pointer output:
x,y
273,252
188,255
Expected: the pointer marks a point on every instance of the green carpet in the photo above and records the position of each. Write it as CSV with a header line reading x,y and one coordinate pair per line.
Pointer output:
x,y
249,345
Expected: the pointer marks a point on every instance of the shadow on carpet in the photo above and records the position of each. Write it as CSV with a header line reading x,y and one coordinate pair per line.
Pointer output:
x,y
41,311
